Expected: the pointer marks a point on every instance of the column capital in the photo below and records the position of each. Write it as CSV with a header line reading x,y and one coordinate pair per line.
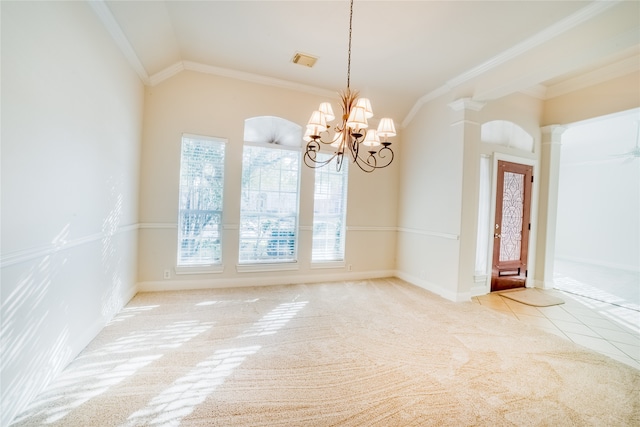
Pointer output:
x,y
551,134
466,104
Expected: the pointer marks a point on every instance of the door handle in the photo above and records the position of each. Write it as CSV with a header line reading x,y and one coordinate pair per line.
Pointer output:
x,y
497,236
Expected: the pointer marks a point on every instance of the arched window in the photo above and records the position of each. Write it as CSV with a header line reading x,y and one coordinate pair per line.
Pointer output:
x,y
272,130
507,134
270,191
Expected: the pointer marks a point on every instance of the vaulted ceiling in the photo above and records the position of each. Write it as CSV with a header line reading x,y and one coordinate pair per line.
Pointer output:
x,y
403,52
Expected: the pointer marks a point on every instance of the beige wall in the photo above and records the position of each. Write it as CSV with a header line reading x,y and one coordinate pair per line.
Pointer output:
x,y
208,105
71,128
439,189
619,94
438,208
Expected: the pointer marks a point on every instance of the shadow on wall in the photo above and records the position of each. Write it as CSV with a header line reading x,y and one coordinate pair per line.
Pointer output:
x,y
55,299
111,258
27,317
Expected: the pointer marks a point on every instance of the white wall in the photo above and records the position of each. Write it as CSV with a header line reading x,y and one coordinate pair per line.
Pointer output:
x,y
438,206
71,127
599,194
202,104
430,201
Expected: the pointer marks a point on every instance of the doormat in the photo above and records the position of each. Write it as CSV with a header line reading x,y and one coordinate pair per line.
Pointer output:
x,y
532,297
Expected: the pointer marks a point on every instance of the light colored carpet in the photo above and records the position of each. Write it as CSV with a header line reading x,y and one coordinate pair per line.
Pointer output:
x,y
532,297
370,353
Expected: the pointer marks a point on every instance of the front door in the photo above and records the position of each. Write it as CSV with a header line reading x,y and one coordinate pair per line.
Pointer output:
x,y
512,226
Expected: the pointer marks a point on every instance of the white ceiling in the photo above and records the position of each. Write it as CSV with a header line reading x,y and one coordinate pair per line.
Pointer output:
x,y
403,52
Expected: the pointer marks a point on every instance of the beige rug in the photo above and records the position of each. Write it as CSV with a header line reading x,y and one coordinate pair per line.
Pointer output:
x,y
372,353
532,297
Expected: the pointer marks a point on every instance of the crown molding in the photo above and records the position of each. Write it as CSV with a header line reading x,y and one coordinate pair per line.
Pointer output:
x,y
549,33
167,73
103,12
609,72
178,67
257,78
560,27
537,91
101,9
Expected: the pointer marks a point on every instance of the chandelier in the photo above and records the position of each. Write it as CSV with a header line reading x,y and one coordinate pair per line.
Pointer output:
x,y
368,148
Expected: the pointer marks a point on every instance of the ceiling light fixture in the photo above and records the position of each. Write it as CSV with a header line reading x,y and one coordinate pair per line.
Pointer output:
x,y
351,134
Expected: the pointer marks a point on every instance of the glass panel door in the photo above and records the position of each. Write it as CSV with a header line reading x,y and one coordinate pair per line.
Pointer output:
x,y
511,229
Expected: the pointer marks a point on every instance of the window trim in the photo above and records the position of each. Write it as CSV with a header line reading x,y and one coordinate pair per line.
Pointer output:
x,y
212,267
272,146
332,263
198,269
266,266
270,265
316,265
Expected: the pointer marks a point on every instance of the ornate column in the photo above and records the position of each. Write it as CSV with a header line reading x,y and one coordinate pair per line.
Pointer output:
x,y
465,135
548,204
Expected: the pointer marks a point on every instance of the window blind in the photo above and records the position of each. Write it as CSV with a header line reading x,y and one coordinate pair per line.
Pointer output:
x,y
329,212
200,201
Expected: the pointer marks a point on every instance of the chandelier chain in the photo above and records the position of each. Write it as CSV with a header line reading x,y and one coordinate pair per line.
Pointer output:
x,y
369,149
349,52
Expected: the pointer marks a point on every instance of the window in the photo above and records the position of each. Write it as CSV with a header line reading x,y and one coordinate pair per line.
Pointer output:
x,y
269,205
329,212
200,201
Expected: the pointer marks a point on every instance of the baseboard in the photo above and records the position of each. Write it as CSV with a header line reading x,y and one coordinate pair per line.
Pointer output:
x,y
128,296
92,331
479,289
432,287
541,284
254,280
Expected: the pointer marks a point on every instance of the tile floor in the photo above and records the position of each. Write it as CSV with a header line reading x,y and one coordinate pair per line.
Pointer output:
x,y
613,330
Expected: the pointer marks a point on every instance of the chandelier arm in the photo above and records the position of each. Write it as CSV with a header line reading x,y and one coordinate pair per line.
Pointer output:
x,y
309,159
354,147
382,155
372,162
321,141
312,146
363,165
339,160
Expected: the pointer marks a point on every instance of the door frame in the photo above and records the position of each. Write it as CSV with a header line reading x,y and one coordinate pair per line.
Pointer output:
x,y
533,234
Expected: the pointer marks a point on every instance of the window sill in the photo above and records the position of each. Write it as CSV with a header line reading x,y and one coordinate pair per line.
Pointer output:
x,y
260,267
327,264
199,269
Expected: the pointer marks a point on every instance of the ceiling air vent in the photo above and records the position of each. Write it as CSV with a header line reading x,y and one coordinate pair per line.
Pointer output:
x,y
304,59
